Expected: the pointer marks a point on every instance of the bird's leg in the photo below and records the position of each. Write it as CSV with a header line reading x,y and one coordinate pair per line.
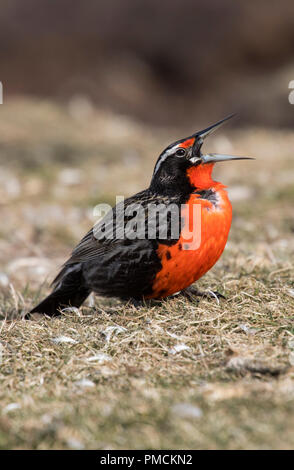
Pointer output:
x,y
140,303
191,292
136,303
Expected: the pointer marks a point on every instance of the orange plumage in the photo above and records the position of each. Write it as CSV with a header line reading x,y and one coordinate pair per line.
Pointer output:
x,y
180,268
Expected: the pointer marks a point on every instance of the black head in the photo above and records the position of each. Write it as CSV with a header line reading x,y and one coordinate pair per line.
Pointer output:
x,y
170,171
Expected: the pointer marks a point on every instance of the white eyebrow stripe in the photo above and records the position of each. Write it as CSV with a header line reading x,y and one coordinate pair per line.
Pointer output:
x,y
164,157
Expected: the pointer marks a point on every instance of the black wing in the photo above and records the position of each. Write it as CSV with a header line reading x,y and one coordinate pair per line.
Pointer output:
x,y
112,262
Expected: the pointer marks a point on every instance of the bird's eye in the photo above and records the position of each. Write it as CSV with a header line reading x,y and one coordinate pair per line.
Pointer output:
x,y
181,152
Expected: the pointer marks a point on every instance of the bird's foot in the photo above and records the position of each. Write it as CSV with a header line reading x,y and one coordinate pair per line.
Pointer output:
x,y
137,304
141,303
191,292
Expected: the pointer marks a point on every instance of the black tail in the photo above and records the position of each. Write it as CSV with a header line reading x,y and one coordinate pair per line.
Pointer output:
x,y
69,292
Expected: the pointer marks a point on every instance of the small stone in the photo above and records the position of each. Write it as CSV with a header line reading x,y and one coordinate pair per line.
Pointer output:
x,y
247,329
85,383
113,330
75,444
100,358
4,280
187,410
291,358
64,339
70,176
179,348
11,407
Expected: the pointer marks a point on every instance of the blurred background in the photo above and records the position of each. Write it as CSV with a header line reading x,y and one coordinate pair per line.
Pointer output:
x,y
93,91
165,62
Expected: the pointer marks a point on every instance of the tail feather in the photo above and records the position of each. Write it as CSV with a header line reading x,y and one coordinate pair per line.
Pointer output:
x,y
52,304
69,292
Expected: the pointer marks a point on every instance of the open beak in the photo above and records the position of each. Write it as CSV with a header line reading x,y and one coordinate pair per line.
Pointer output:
x,y
212,157
216,157
201,135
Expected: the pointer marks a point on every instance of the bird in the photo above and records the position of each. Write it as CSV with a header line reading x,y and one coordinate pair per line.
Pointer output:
x,y
162,258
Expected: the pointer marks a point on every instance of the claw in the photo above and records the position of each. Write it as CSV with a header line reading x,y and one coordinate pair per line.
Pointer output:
x,y
191,292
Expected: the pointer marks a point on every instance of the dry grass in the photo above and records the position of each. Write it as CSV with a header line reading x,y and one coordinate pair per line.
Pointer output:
x,y
175,375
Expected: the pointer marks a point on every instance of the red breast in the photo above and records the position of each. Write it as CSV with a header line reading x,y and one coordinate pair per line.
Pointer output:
x,y
180,266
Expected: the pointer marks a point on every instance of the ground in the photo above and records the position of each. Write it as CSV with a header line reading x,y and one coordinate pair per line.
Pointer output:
x,y
201,374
